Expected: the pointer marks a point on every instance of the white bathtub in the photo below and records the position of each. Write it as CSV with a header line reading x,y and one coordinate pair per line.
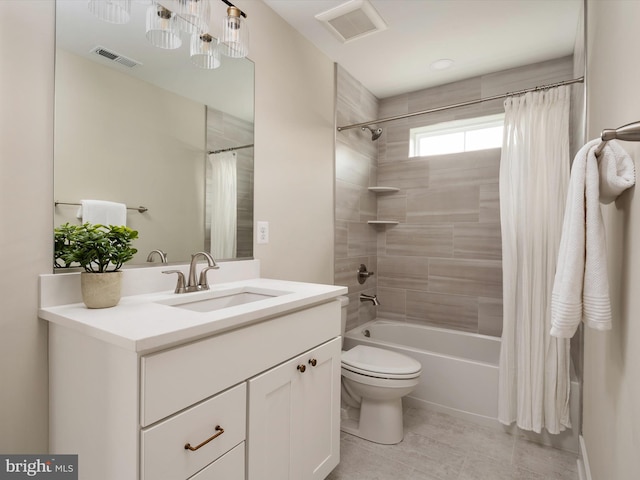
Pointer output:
x,y
459,371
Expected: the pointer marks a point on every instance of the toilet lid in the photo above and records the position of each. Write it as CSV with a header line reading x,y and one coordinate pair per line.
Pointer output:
x,y
378,360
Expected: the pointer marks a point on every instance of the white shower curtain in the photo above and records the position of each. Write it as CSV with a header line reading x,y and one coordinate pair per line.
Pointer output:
x,y
224,195
534,177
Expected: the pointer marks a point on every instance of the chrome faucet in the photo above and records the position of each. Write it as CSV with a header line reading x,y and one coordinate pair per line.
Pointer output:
x,y
160,253
369,298
191,285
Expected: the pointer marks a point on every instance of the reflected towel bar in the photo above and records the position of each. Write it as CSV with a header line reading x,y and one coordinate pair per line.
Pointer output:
x,y
140,209
627,133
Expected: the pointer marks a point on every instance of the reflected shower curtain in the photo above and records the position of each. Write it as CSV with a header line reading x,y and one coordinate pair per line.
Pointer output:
x,y
224,186
534,177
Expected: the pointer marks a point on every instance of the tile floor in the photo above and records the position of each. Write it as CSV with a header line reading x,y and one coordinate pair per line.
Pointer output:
x,y
437,446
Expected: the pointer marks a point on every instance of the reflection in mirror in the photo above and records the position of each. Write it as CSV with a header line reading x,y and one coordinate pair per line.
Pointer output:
x,y
142,135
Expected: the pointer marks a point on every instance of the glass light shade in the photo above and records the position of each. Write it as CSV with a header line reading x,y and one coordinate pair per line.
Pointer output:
x,y
234,41
162,29
204,51
193,16
112,11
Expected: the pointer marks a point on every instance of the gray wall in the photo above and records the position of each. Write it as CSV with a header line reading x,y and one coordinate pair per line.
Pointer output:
x,y
611,397
26,219
441,265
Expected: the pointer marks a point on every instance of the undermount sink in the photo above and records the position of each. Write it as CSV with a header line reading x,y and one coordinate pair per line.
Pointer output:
x,y
211,301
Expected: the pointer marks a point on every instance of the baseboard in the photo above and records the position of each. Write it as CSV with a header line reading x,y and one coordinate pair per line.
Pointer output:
x,y
584,472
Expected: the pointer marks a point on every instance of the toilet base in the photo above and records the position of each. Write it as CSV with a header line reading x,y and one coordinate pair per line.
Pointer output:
x,y
378,421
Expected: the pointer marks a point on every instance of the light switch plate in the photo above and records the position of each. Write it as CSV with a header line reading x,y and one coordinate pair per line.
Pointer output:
x,y
263,232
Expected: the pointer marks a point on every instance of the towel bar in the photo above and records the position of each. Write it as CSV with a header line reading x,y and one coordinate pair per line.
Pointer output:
x,y
140,209
628,133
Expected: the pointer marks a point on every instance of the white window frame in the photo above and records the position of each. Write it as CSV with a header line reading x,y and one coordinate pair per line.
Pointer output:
x,y
447,128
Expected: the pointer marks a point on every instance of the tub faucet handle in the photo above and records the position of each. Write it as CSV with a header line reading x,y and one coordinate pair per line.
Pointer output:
x,y
363,274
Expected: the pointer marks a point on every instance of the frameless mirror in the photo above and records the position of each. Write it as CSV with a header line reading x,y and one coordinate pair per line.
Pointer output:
x,y
144,126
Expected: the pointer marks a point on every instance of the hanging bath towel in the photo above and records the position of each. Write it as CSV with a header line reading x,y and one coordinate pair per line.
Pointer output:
x,y
581,285
103,212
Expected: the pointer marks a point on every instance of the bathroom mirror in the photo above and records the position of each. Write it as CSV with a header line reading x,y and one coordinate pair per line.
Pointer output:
x,y
134,124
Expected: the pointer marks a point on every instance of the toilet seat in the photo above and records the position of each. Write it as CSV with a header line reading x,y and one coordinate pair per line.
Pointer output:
x,y
380,363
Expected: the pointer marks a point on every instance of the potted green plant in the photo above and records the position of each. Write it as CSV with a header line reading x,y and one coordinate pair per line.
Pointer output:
x,y
101,251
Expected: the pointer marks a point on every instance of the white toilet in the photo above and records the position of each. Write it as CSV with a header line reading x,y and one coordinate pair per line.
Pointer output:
x,y
375,380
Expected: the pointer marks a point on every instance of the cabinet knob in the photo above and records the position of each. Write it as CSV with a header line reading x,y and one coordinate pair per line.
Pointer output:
x,y
313,362
302,368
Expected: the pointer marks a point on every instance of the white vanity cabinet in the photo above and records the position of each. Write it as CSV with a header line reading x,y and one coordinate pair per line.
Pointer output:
x,y
235,396
294,417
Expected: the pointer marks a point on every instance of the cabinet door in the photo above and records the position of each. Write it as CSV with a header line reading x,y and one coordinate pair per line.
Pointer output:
x,y
319,390
273,408
294,428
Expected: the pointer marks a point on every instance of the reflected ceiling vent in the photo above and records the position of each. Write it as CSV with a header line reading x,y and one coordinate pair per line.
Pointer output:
x,y
115,57
352,20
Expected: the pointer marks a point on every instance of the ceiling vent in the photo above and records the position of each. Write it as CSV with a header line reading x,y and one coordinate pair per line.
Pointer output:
x,y
115,57
352,20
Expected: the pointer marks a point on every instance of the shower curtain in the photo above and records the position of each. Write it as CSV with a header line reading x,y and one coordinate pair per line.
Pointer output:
x,y
534,176
223,204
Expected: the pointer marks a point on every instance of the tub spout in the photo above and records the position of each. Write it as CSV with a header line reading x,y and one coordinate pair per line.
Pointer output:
x,y
369,298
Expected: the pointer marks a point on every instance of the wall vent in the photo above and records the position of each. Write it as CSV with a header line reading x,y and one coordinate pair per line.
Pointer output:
x,y
115,57
352,20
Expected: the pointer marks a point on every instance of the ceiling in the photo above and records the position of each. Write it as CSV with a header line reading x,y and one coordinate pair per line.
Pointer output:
x,y
480,36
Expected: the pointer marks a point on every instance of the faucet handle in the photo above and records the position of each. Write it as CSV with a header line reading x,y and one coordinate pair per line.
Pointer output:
x,y
180,288
202,282
363,274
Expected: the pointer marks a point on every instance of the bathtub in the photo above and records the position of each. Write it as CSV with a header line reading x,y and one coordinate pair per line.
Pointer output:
x,y
459,371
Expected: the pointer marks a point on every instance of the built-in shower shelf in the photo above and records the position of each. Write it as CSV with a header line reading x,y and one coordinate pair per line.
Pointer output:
x,y
383,222
384,189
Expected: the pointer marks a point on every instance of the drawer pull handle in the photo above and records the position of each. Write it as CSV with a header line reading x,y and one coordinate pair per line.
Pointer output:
x,y
302,368
313,362
219,431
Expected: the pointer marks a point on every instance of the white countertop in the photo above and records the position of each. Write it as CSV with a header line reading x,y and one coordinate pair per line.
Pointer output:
x,y
142,323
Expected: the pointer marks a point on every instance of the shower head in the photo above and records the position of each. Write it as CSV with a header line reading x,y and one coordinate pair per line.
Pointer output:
x,y
375,134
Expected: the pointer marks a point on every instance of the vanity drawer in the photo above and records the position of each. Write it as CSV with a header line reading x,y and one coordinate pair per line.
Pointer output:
x,y
228,467
164,455
175,378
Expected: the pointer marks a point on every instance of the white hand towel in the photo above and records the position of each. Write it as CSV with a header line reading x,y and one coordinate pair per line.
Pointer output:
x,y
103,212
581,285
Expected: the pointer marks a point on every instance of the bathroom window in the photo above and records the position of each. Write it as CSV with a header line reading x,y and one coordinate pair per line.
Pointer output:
x,y
457,136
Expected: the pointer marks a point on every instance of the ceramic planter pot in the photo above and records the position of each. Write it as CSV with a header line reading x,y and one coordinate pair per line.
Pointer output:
x,y
100,290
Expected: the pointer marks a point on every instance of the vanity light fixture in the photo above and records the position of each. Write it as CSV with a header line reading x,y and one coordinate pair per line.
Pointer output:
x,y
164,27
112,11
193,16
234,41
204,51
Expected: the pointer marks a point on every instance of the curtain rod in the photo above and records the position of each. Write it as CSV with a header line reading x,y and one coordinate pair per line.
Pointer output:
x,y
463,104
230,149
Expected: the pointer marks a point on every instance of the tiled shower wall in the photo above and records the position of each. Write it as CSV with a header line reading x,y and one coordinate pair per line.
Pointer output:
x,y
441,264
356,159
